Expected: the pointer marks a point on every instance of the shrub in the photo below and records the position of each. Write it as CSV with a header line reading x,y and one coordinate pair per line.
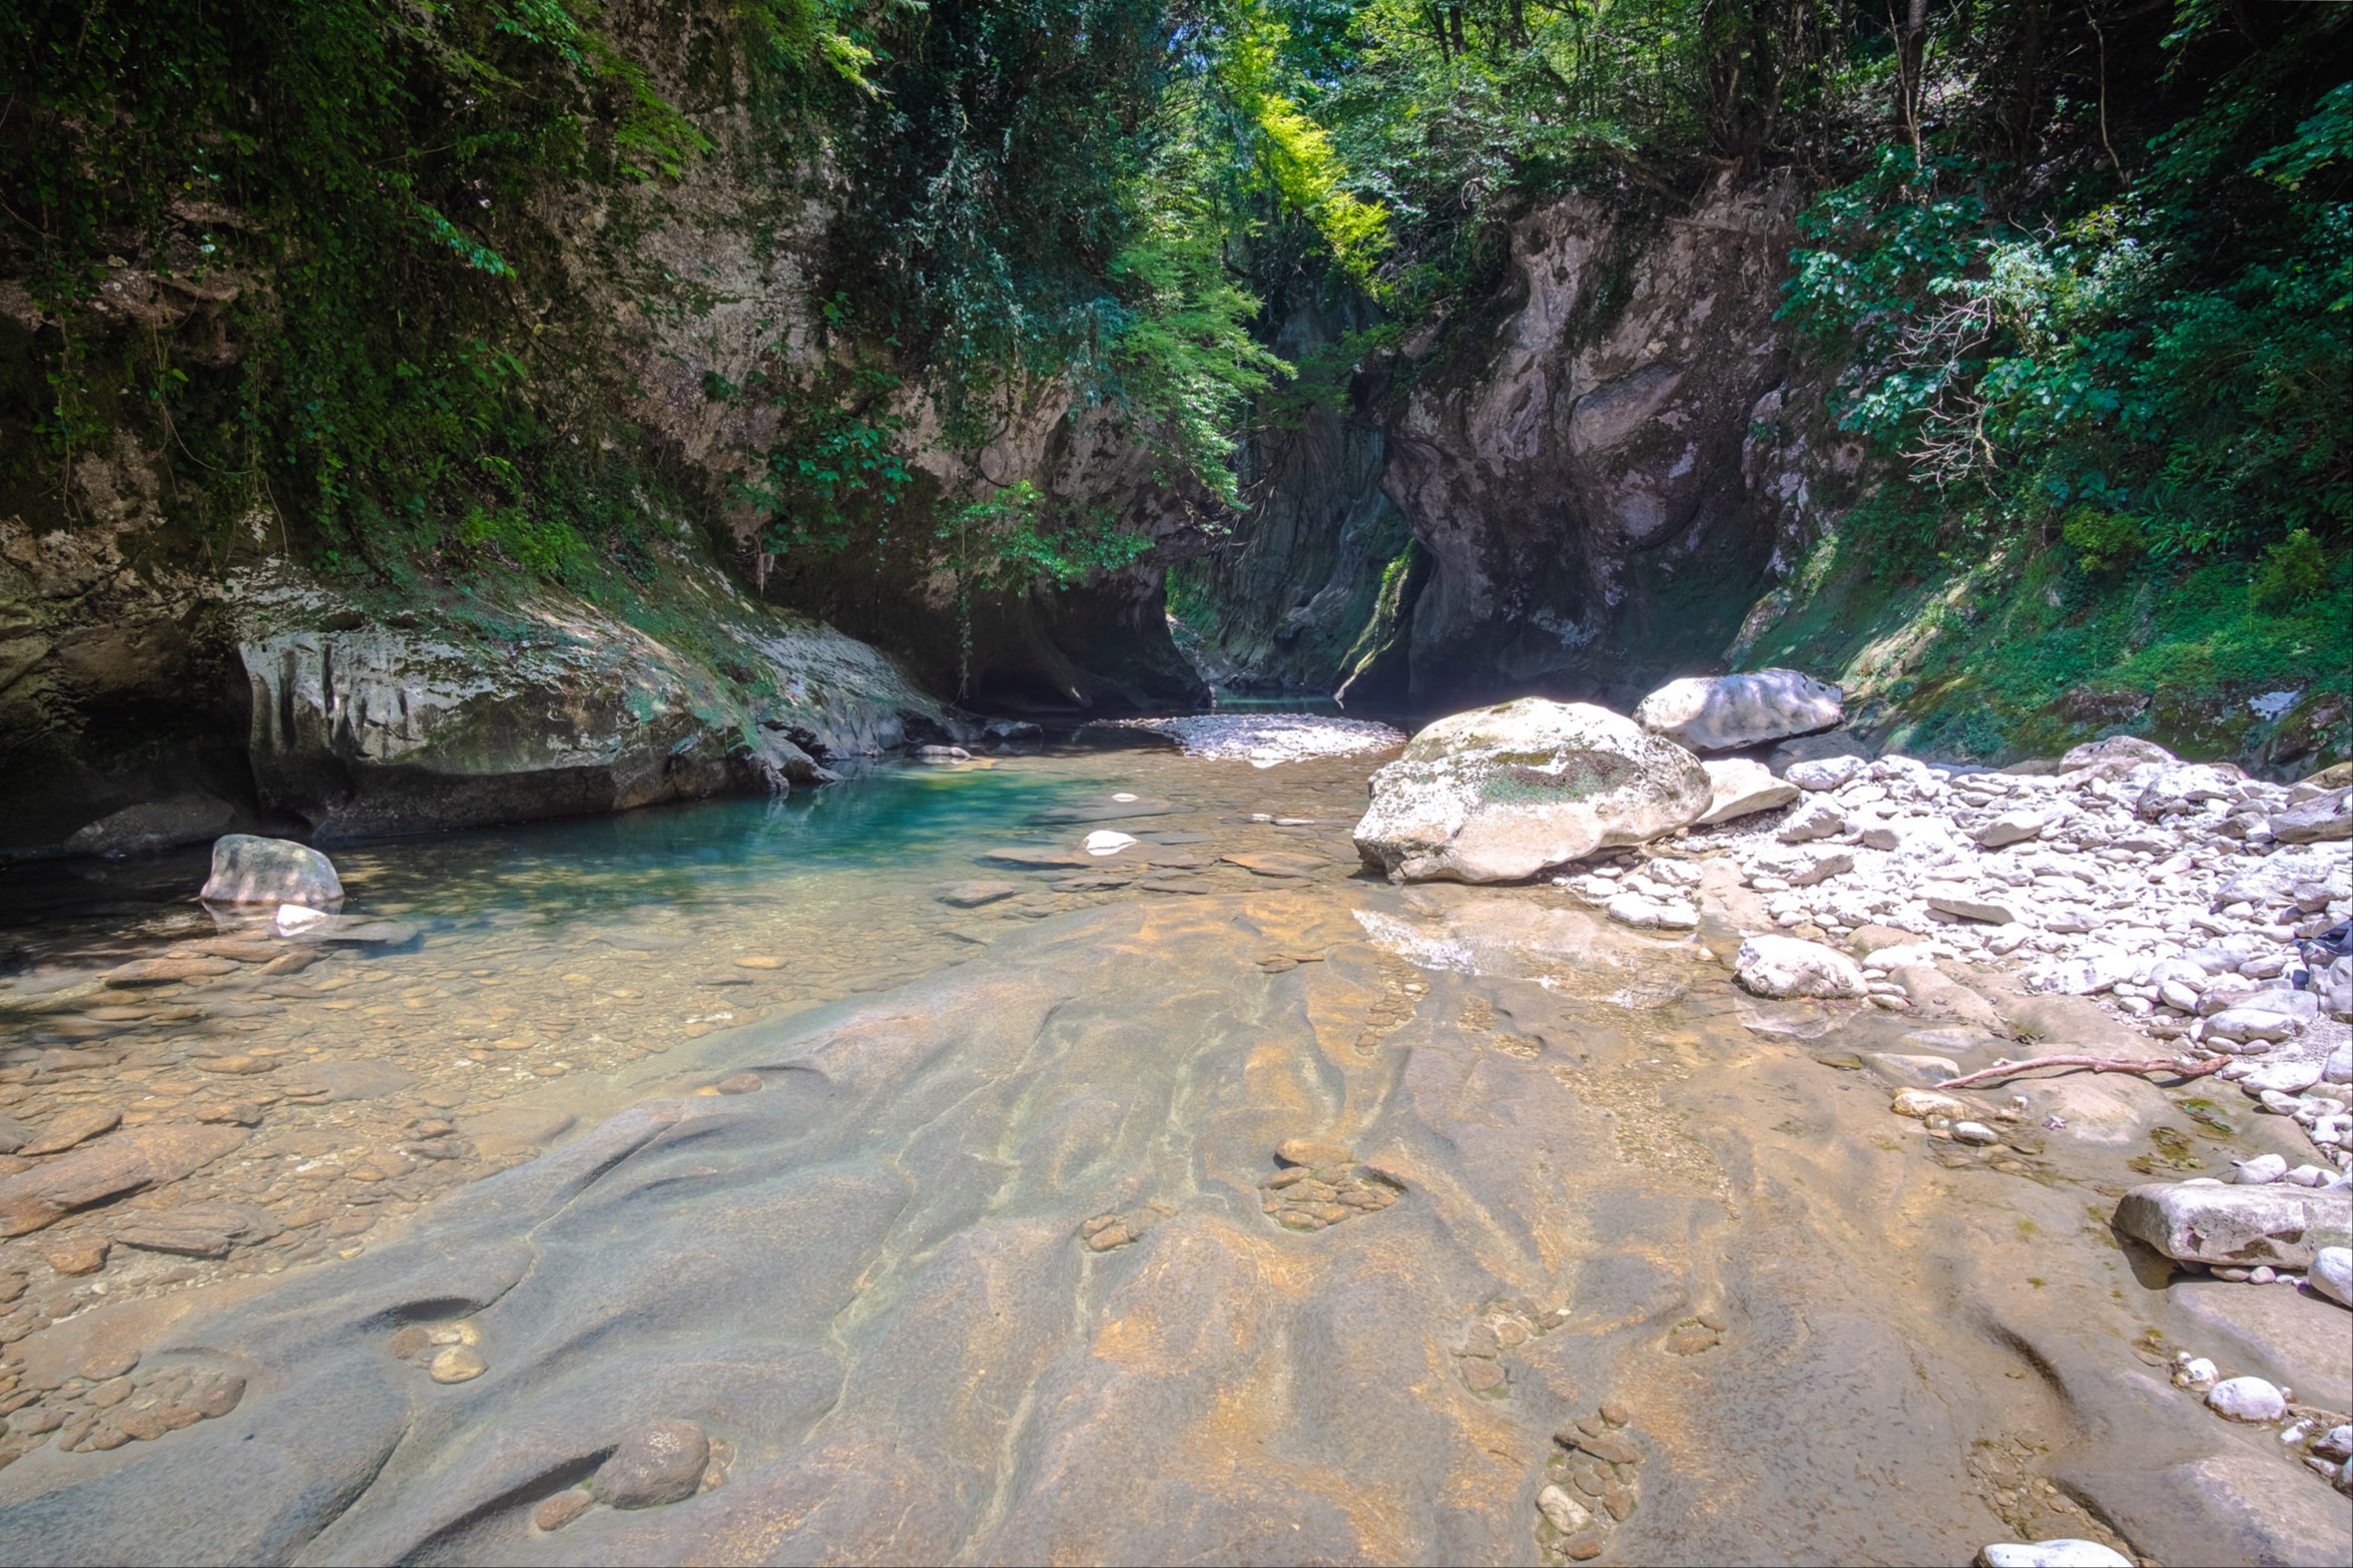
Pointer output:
x,y
2289,576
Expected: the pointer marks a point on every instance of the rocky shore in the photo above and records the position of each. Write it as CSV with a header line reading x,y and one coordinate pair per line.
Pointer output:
x,y
2190,921
2192,903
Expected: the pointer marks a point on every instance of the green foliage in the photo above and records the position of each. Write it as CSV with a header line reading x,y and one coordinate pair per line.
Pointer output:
x,y
835,475
1974,658
343,216
1013,539
2156,358
2104,540
2290,575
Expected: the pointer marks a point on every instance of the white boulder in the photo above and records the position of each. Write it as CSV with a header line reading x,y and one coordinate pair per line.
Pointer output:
x,y
2064,1553
1727,712
2332,1273
1500,793
1741,788
2239,1227
1786,966
1827,773
250,871
2246,1400
2115,757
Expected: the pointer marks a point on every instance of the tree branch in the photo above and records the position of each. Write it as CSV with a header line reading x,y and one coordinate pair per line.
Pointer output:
x,y
2095,1062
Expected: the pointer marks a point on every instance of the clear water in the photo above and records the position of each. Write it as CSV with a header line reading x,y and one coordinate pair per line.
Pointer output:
x,y
552,964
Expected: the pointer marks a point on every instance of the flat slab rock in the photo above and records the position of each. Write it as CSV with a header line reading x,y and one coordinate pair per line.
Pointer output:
x,y
112,1167
2242,1227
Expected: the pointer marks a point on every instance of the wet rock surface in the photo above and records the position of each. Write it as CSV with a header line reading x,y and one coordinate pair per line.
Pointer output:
x,y
1657,1277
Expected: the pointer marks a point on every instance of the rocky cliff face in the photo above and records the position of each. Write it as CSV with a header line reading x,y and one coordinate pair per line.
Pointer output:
x,y
712,282
1574,468
265,698
1292,601
1568,460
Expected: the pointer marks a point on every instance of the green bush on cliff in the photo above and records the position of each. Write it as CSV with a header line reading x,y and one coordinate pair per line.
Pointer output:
x,y
2154,353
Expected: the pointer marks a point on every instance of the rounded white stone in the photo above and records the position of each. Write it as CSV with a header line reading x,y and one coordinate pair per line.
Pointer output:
x,y
2246,1400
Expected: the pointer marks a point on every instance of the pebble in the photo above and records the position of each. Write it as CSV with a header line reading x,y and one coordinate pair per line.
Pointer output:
x,y
659,1463
1563,1512
562,1509
459,1363
1974,1133
741,1083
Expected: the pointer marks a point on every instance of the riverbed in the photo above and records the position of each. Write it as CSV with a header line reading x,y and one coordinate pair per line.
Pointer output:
x,y
978,1196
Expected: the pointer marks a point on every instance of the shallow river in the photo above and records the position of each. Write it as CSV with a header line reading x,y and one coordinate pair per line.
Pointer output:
x,y
977,1198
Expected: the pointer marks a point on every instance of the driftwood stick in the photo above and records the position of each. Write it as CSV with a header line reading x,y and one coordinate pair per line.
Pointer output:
x,y
2095,1062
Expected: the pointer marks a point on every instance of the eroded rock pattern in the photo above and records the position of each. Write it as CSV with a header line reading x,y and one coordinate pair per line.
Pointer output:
x,y
857,1299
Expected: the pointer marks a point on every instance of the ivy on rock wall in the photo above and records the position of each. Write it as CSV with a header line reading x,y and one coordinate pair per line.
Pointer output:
x,y
305,253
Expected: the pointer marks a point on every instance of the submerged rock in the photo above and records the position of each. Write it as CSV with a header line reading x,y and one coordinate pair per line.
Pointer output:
x,y
250,871
116,1164
660,1462
1500,793
1724,712
156,825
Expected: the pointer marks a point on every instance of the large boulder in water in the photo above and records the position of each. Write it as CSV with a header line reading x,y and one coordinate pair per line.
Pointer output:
x,y
1723,713
250,871
1500,793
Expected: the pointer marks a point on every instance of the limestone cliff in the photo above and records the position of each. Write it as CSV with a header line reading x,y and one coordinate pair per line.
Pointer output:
x,y
1567,459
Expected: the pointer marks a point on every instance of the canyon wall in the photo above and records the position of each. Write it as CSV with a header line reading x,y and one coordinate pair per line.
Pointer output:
x,y
1559,488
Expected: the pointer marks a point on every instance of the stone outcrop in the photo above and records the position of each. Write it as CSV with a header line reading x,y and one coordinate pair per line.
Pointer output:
x,y
1500,793
283,705
438,720
1310,593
